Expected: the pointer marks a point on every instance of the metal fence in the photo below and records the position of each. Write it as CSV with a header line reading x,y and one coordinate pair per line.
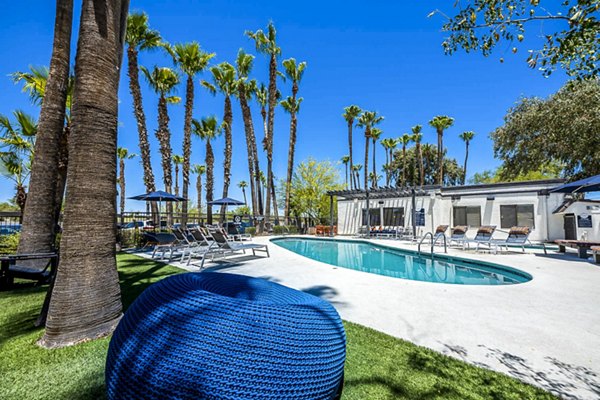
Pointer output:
x,y
10,222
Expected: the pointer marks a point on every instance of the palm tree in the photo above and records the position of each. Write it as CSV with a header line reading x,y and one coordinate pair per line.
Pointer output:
x,y
38,230
177,161
34,83
375,135
263,182
466,137
389,144
345,160
367,120
350,114
191,60
199,170
140,37
292,107
417,137
441,123
405,140
356,171
224,78
163,81
17,143
86,298
245,91
266,43
208,129
123,154
243,185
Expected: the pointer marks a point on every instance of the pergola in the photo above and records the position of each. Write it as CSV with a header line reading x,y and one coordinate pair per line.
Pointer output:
x,y
385,192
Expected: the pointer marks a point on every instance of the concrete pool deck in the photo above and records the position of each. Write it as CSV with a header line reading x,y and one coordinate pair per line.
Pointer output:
x,y
545,332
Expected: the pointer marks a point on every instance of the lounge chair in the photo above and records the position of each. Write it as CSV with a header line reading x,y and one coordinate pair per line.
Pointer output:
x,y
227,245
482,238
440,231
517,236
161,242
10,269
458,235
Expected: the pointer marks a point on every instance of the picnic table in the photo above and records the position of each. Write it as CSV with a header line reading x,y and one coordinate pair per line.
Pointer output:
x,y
582,246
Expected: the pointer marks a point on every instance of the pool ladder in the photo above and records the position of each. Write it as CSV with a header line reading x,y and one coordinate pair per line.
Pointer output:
x,y
434,240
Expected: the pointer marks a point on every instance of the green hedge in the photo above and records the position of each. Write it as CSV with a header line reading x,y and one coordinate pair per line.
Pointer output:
x,y
250,231
283,229
9,243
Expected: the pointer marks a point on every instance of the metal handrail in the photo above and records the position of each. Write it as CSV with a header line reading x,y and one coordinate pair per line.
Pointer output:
x,y
423,238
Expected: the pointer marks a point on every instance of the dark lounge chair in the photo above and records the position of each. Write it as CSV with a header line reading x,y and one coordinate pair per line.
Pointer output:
x,y
20,266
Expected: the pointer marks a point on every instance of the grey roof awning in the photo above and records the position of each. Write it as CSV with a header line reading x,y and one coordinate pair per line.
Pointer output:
x,y
382,192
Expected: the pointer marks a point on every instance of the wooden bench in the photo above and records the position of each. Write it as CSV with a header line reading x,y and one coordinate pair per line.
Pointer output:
x,y
581,246
596,253
9,269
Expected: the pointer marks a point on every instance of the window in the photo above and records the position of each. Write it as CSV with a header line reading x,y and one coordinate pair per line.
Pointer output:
x,y
375,219
470,216
517,215
393,216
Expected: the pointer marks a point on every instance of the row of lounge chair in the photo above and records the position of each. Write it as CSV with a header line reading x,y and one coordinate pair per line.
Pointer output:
x,y
200,242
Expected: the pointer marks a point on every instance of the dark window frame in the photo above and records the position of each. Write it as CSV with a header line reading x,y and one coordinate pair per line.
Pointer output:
x,y
506,220
466,209
391,217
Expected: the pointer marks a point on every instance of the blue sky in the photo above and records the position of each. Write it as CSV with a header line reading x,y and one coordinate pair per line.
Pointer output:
x,y
383,55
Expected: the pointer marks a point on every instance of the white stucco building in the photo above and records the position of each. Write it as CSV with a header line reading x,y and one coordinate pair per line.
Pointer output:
x,y
550,215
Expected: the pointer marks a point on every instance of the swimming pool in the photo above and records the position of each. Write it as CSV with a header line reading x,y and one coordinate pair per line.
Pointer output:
x,y
383,260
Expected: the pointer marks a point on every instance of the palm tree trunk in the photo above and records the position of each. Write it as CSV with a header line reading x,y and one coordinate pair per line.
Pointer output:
x,y
268,146
464,179
366,167
122,187
440,157
86,298
290,167
210,176
374,167
227,119
164,138
271,104
38,231
346,165
187,146
403,164
350,123
244,193
61,182
250,145
199,194
421,166
176,188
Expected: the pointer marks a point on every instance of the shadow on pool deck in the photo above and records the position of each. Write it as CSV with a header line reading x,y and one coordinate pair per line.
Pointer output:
x,y
565,380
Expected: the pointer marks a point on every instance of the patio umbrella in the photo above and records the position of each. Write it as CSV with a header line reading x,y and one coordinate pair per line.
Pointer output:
x,y
590,184
226,201
159,196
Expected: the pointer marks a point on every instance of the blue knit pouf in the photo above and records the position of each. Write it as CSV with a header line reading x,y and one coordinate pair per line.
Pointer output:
x,y
224,336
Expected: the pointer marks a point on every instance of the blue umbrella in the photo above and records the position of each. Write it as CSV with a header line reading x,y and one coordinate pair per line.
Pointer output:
x,y
590,184
226,201
159,196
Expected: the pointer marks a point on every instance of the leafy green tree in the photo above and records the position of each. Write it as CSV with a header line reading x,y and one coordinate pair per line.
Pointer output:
x,y
562,129
225,81
547,171
350,114
368,120
441,123
571,31
208,129
192,60
312,180
123,154
466,137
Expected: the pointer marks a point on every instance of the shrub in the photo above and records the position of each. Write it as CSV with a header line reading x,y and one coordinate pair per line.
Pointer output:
x,y
283,229
9,243
250,230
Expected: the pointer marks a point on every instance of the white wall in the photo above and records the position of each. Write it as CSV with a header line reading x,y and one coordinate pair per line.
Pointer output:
x,y
585,208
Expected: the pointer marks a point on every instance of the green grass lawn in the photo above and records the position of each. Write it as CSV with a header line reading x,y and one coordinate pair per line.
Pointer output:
x,y
378,366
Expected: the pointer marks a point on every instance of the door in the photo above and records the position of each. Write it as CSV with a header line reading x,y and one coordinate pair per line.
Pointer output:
x,y
570,227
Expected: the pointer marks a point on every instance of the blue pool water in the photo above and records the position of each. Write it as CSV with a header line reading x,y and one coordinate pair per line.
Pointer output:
x,y
382,260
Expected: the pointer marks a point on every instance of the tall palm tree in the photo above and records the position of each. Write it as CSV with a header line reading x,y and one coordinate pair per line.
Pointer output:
x,y
266,43
17,141
38,230
417,137
389,144
34,83
350,114
404,140
375,135
177,161
140,37
199,170
356,172
293,71
345,160
163,81
243,185
292,107
466,137
224,79
367,120
208,129
263,182
123,154
86,298
191,60
245,91
441,123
